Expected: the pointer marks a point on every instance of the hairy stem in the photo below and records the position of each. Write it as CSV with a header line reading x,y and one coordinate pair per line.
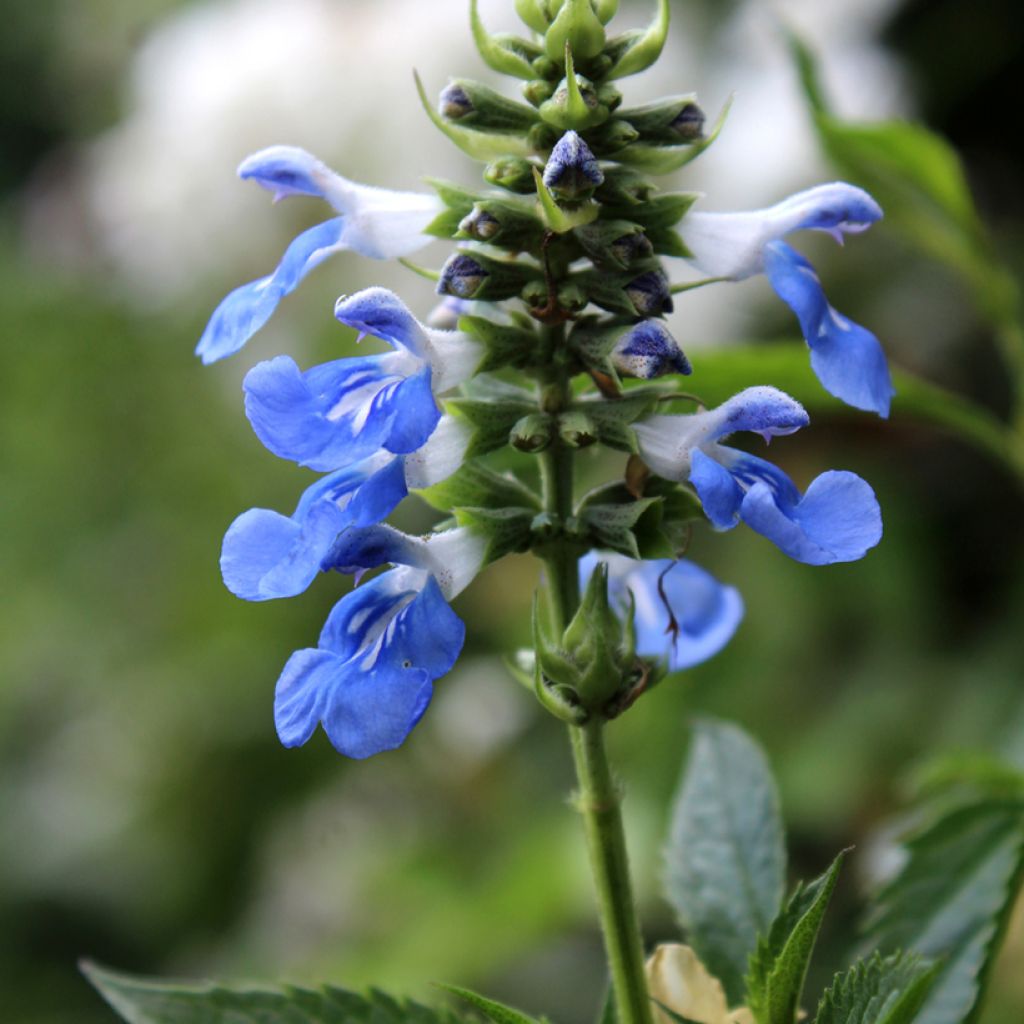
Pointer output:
x,y
598,798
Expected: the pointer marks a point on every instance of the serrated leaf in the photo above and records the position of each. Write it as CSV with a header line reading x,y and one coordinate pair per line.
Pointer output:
x,y
887,990
779,965
725,860
150,1001
952,900
477,486
497,1012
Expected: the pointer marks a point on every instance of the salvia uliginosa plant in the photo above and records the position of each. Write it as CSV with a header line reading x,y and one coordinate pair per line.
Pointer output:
x,y
549,336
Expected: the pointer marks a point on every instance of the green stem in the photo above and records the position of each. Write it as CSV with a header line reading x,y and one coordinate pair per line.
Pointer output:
x,y
598,797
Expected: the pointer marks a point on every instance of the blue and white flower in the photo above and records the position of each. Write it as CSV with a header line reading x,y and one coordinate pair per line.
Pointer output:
x,y
374,222
836,520
847,358
266,555
341,412
682,613
370,677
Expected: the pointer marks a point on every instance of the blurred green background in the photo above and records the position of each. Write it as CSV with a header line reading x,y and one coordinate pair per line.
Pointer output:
x,y
150,819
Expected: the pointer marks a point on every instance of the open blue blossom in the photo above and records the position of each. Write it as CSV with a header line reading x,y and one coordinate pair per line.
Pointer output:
x,y
846,357
341,412
374,222
370,677
266,555
836,520
682,613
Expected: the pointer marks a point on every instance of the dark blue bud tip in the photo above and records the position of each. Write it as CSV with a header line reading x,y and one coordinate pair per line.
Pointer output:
x,y
689,122
572,169
649,293
461,276
454,102
634,246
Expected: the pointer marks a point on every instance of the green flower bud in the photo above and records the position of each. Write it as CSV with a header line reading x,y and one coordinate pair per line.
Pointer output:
x,y
668,122
478,106
545,67
637,50
509,223
514,173
578,26
612,137
572,298
538,90
624,187
533,433
475,276
577,429
609,95
534,14
615,243
644,295
605,9
542,137
505,53
574,105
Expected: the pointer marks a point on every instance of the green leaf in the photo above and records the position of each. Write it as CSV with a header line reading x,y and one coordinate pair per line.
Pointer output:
x,y
491,420
613,416
778,967
494,1011
786,366
952,900
725,859
507,345
881,990
506,530
668,159
477,486
611,526
144,1001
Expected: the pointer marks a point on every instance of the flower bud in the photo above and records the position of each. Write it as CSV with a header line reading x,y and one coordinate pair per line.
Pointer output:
x,y
538,90
542,137
508,223
577,26
668,122
628,293
614,243
647,351
574,105
572,171
612,137
637,50
545,67
478,106
533,13
572,298
577,429
461,276
532,433
480,277
624,187
650,294
514,173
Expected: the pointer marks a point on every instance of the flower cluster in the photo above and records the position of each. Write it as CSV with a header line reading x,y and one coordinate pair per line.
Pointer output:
x,y
556,276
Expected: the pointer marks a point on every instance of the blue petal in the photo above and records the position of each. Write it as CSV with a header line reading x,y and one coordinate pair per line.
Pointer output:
x,y
718,492
285,171
245,310
748,470
368,547
706,612
340,412
381,313
301,694
847,358
648,350
837,520
761,410
379,495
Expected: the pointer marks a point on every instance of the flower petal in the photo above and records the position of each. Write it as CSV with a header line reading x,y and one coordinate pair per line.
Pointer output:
x,y
677,979
648,350
847,358
720,494
245,310
837,519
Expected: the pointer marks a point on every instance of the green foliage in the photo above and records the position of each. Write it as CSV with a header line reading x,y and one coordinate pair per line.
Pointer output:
x,y
887,990
494,1011
952,900
140,1001
725,861
474,485
779,965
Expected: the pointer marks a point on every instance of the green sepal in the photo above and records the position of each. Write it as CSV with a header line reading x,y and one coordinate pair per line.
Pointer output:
x,y
615,243
490,418
542,137
667,534
476,486
623,189
638,50
577,26
458,203
610,290
577,429
533,433
665,160
778,966
563,218
500,279
655,121
537,90
664,210
611,526
505,530
613,416
668,242
513,173
506,345
534,14
480,145
508,223
496,1012
553,673
506,54
605,10
889,990
611,138
490,111
574,103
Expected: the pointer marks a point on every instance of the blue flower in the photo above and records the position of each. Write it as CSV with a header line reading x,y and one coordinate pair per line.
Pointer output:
x,y
648,350
374,222
341,412
370,677
572,169
682,613
847,358
266,555
836,520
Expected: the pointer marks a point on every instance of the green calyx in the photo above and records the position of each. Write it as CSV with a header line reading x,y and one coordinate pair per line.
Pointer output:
x,y
577,26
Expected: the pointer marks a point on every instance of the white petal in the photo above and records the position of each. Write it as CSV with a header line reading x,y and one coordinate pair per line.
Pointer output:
x,y
441,456
679,980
